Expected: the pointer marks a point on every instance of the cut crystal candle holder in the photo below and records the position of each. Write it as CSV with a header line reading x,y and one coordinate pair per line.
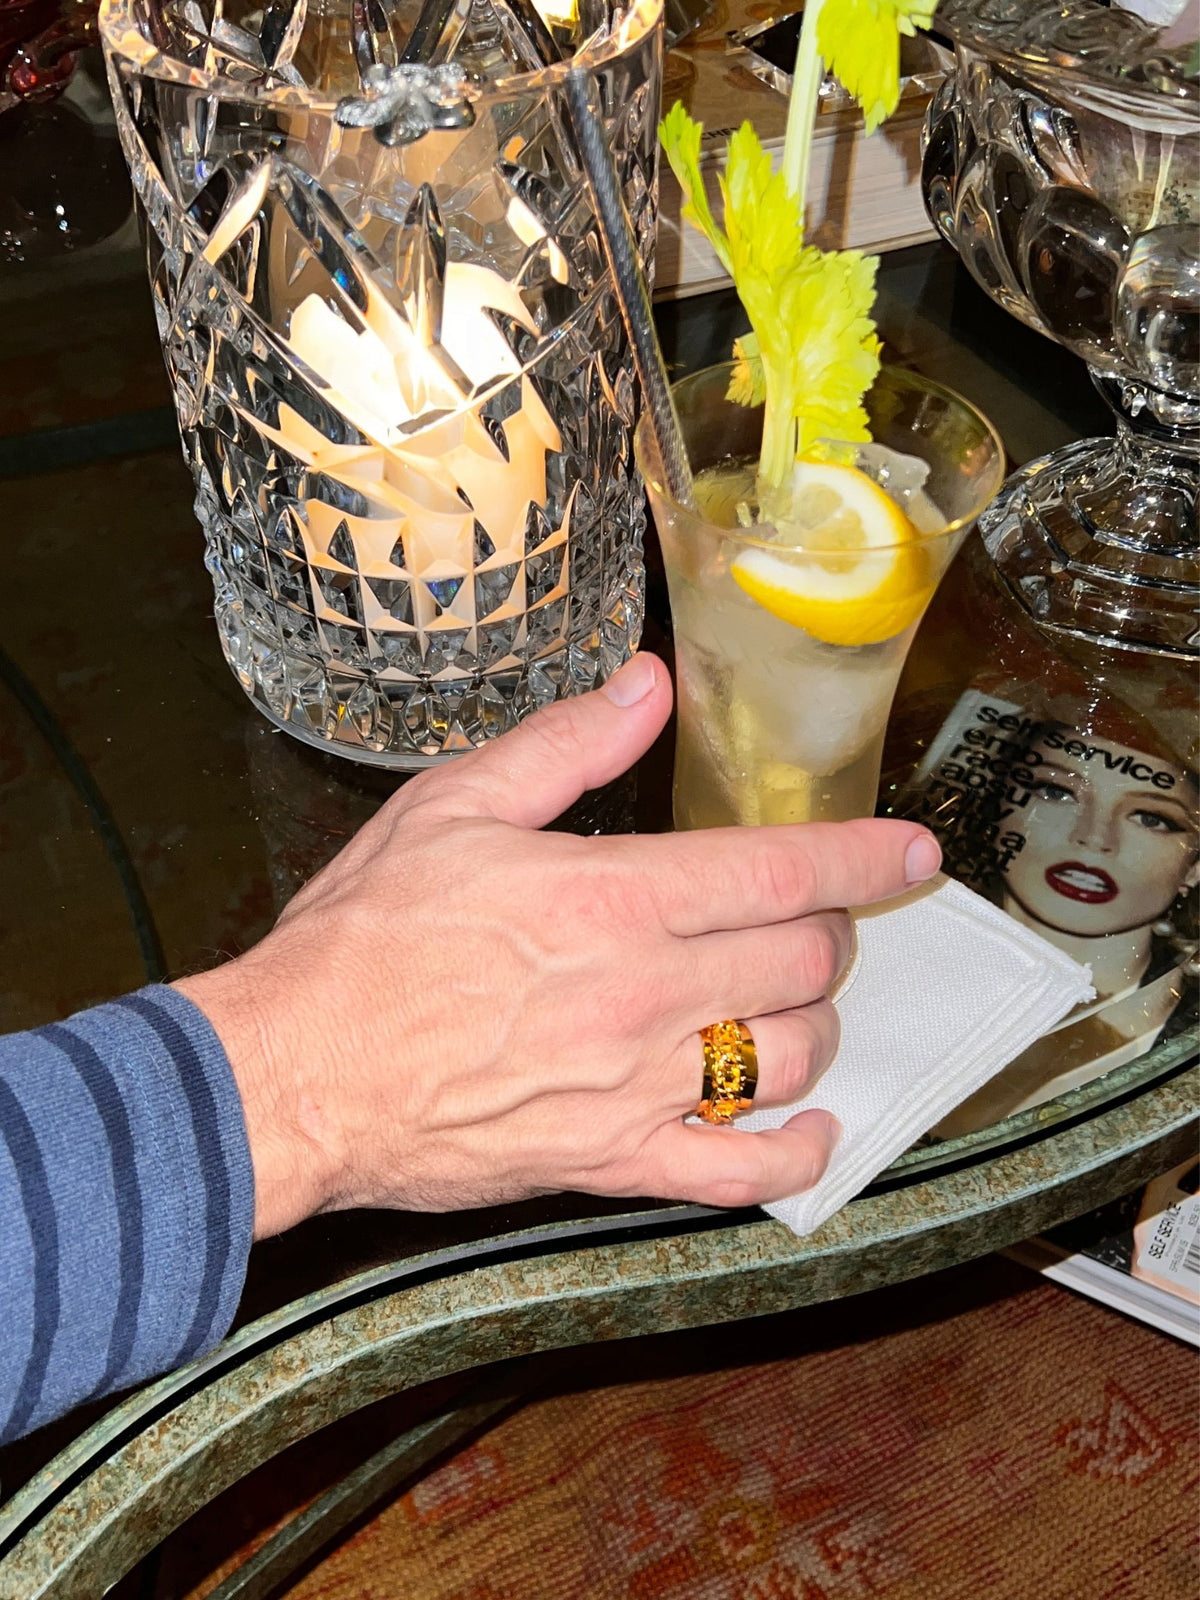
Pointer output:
x,y
402,380
1062,161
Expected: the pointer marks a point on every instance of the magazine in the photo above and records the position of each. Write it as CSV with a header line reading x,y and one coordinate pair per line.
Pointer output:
x,y
1088,837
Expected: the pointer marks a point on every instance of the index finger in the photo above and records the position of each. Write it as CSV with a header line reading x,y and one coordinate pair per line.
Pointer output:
x,y
727,878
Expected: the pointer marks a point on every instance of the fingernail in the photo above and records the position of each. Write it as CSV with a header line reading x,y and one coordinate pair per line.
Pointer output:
x,y
633,682
832,1131
922,858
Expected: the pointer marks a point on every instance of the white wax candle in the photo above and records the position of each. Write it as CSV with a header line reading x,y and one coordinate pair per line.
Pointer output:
x,y
382,378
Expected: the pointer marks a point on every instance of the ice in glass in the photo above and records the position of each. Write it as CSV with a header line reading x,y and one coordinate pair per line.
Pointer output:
x,y
790,634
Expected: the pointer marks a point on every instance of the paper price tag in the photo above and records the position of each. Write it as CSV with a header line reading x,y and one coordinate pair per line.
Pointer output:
x,y
1172,1248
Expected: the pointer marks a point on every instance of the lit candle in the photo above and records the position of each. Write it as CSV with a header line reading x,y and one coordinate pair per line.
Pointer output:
x,y
383,379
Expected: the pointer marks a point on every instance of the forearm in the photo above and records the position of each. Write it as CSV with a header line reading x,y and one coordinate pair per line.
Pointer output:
x,y
126,1201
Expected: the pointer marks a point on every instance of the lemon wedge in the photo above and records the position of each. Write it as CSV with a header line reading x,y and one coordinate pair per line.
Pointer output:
x,y
853,570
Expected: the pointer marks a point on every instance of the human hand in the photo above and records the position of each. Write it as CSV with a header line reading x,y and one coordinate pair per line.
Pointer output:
x,y
461,1010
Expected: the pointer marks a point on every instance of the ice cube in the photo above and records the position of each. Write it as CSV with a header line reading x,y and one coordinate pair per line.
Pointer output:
x,y
821,708
902,476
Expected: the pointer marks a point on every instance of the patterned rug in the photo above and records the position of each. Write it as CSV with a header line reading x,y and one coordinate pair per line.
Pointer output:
x,y
980,1434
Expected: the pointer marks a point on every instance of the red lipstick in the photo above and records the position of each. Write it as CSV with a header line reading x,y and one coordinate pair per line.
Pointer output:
x,y
1074,881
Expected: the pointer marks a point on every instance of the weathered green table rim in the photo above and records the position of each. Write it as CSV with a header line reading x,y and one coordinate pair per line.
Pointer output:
x,y
124,1485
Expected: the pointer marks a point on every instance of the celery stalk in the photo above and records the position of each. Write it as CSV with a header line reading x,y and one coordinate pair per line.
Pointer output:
x,y
803,105
813,351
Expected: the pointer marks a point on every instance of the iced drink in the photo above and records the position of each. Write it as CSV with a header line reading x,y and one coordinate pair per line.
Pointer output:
x,y
790,634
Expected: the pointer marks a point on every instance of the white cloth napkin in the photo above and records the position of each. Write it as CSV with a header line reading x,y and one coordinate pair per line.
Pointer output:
x,y
1157,12
945,991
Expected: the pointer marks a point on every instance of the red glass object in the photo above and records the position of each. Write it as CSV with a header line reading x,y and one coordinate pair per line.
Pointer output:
x,y
38,43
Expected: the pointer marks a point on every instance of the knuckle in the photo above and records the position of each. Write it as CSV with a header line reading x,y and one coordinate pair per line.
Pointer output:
x,y
821,954
667,877
747,1179
617,1004
808,1049
734,1193
555,731
431,791
809,1044
810,1163
605,911
783,875
800,1060
605,902
610,1070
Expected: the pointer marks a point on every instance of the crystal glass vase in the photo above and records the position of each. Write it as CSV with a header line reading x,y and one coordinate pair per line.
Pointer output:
x,y
403,385
1062,161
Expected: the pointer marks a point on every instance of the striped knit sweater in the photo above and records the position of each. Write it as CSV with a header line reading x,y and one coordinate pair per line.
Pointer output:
x,y
126,1202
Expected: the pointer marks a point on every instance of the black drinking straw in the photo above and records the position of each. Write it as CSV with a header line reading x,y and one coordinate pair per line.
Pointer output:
x,y
616,233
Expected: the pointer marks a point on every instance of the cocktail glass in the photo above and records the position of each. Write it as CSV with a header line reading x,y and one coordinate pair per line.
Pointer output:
x,y
775,724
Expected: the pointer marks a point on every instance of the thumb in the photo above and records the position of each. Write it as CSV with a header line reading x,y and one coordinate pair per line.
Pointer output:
x,y
531,774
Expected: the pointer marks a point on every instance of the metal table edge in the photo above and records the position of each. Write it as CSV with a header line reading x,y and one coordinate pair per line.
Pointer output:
x,y
76,1509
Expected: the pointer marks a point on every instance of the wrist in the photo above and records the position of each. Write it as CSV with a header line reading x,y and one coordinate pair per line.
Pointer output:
x,y
293,1171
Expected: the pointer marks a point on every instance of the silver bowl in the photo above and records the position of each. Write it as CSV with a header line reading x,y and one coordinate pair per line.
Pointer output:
x,y
1062,162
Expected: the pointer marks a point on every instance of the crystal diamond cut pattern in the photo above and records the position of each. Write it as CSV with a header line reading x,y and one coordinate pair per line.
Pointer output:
x,y
403,385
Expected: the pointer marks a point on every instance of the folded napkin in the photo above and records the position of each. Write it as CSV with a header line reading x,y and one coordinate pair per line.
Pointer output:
x,y
944,992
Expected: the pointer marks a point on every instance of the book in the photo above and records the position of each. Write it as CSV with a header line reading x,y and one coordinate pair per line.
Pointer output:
x,y
864,193
1140,1255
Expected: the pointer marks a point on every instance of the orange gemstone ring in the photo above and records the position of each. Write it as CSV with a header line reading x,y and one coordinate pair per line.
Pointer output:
x,y
730,1071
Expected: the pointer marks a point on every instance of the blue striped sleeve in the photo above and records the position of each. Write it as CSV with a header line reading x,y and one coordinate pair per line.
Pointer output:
x,y
126,1202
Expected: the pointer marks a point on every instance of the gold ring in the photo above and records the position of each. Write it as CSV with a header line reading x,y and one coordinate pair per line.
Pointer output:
x,y
730,1070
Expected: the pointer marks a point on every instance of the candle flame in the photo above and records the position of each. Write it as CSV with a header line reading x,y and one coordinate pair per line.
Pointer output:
x,y
431,469
558,13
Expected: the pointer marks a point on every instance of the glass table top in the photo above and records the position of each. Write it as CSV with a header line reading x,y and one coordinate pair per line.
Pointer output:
x,y
152,823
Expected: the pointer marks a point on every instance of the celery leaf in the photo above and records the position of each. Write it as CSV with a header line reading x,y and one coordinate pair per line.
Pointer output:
x,y
860,42
680,137
812,352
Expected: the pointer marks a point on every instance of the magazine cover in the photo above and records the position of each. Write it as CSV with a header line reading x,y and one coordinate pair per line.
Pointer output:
x,y
1061,779
1087,830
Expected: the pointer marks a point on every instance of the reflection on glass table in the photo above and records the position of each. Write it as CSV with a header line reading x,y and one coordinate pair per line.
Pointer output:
x,y
151,823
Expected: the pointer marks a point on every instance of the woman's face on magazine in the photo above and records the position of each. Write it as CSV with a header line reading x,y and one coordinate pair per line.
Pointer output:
x,y
1107,847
